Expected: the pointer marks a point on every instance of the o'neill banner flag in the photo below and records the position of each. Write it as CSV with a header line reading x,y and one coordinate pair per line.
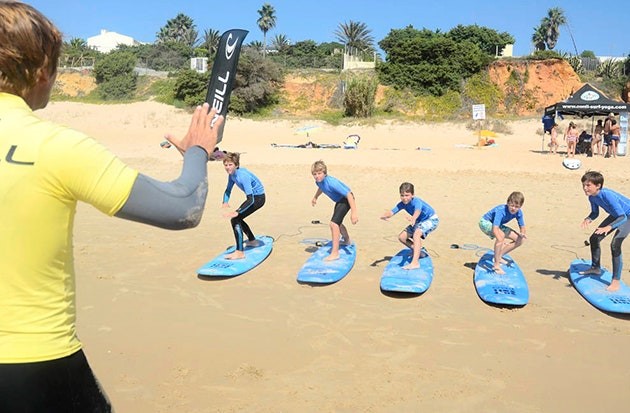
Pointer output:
x,y
224,73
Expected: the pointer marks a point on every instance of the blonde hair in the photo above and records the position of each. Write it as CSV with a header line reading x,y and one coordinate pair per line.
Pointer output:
x,y
319,166
29,43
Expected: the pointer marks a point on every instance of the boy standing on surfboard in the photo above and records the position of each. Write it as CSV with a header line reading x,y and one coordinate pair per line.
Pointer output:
x,y
423,220
344,202
618,208
255,193
493,225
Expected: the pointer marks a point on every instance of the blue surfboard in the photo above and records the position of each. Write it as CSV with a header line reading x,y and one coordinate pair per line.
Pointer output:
x,y
317,271
504,289
593,288
222,267
397,279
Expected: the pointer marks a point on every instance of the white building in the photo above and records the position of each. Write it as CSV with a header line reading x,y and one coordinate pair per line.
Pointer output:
x,y
107,41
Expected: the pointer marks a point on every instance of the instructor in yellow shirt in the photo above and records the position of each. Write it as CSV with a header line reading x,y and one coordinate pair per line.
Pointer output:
x,y
44,170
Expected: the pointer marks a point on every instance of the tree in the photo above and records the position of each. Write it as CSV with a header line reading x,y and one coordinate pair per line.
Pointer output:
x,y
551,23
211,40
180,29
428,62
488,40
257,45
538,38
266,22
115,75
76,52
355,35
281,43
256,85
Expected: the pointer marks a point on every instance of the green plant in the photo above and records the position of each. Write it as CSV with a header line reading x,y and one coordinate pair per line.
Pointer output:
x,y
479,89
115,76
359,97
610,69
191,87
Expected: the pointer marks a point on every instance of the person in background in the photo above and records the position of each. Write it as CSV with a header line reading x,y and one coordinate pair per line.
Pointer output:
x,y
596,143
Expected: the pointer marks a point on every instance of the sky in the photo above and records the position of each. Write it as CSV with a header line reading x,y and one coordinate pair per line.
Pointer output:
x,y
603,28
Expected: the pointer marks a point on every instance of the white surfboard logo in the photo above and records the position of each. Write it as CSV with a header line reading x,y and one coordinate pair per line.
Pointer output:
x,y
230,47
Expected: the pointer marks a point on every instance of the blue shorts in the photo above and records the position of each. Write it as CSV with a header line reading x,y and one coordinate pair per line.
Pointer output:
x,y
486,228
426,227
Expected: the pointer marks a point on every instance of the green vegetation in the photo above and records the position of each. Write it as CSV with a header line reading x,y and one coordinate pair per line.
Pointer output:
x,y
266,22
356,36
359,96
115,76
428,62
426,75
547,33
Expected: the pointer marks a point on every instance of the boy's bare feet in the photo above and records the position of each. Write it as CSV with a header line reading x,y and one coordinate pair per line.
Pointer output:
x,y
614,286
592,271
332,257
498,270
412,266
236,255
254,243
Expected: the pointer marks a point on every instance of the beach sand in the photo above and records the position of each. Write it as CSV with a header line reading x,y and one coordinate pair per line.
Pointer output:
x,y
160,339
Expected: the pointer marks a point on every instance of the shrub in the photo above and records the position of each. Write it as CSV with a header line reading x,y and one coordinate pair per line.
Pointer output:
x,y
115,76
118,88
191,87
359,96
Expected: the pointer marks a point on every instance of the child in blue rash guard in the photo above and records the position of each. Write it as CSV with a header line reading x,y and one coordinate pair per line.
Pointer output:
x,y
344,202
255,199
493,225
618,208
423,220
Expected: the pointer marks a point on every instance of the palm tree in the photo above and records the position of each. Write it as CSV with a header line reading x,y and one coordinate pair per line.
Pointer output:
x,y
211,40
256,45
552,22
180,29
266,22
355,35
281,43
538,38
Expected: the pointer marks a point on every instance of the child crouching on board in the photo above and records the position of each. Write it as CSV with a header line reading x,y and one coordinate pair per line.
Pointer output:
x,y
618,208
505,238
344,202
255,199
423,220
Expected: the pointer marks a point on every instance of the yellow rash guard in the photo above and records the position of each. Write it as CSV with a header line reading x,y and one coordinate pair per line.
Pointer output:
x,y
44,170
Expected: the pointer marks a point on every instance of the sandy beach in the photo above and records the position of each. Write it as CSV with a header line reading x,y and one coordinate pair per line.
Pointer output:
x,y
161,340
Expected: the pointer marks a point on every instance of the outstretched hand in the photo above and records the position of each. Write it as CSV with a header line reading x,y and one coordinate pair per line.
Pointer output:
x,y
200,132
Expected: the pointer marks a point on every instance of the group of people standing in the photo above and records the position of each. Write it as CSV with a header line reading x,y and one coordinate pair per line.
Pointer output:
x,y
606,137
604,140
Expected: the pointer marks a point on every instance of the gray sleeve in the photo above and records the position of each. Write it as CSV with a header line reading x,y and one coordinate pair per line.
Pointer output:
x,y
171,205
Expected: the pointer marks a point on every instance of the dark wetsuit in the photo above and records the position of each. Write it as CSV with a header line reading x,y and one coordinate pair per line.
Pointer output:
x,y
618,206
255,193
